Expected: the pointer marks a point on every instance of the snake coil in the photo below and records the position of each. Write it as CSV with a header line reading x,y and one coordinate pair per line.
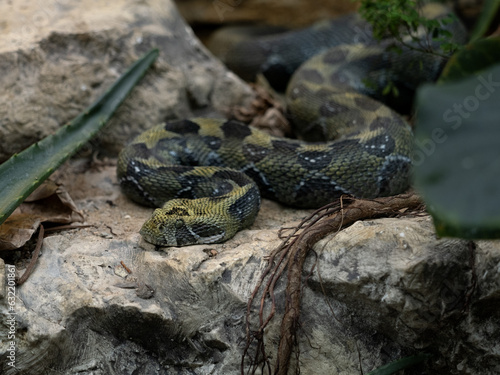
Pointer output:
x,y
207,175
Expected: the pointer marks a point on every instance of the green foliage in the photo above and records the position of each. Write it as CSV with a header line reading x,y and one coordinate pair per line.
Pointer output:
x,y
490,9
457,154
24,172
474,58
401,20
409,26
457,151
391,88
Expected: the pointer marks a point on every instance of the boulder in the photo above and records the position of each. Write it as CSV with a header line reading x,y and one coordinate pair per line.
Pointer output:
x,y
56,58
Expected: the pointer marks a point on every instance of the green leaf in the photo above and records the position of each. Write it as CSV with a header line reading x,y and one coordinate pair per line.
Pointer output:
x,y
457,154
490,9
400,364
24,172
472,59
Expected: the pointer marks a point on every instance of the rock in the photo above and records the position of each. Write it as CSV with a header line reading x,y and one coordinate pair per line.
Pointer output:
x,y
398,290
57,58
292,13
380,290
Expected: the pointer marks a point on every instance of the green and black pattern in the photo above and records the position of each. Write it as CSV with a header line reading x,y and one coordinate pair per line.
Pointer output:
x,y
207,175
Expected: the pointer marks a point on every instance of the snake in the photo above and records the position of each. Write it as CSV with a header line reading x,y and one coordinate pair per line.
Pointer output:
x,y
206,177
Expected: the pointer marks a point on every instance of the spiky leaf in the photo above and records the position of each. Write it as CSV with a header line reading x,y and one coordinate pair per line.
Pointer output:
x,y
24,172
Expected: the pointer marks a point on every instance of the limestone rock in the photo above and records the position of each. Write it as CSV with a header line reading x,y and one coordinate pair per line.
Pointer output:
x,y
392,279
379,290
56,58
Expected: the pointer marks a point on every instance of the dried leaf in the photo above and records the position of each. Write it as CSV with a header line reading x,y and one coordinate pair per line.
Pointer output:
x,y
48,203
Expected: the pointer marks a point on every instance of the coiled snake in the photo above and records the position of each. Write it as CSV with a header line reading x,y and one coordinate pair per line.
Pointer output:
x,y
207,175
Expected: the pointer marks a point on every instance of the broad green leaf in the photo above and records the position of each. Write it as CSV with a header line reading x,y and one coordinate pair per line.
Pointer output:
x,y
472,59
490,9
24,172
400,364
457,154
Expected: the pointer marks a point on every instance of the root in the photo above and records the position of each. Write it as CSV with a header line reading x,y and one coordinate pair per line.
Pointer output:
x,y
291,255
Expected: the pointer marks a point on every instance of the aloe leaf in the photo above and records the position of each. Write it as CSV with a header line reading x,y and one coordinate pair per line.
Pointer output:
x,y
490,8
472,59
400,364
457,154
24,172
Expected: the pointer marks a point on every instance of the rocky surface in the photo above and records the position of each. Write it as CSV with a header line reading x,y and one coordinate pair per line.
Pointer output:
x,y
379,290
57,57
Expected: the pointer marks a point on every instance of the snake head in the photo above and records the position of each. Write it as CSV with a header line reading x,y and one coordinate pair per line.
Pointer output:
x,y
180,223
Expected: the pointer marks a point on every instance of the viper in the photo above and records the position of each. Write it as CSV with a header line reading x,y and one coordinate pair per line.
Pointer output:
x,y
206,176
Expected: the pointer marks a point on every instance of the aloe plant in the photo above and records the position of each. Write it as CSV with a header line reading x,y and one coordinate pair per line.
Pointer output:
x,y
24,172
457,152
485,20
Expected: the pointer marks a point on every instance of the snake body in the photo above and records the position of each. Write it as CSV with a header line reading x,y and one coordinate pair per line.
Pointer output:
x,y
207,175
277,57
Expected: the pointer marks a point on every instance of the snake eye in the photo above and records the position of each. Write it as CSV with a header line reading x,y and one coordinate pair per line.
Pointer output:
x,y
179,223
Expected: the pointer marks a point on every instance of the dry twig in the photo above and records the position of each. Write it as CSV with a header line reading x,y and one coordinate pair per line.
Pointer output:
x,y
34,258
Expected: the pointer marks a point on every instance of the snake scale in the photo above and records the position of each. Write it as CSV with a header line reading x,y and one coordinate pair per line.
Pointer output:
x,y
207,176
